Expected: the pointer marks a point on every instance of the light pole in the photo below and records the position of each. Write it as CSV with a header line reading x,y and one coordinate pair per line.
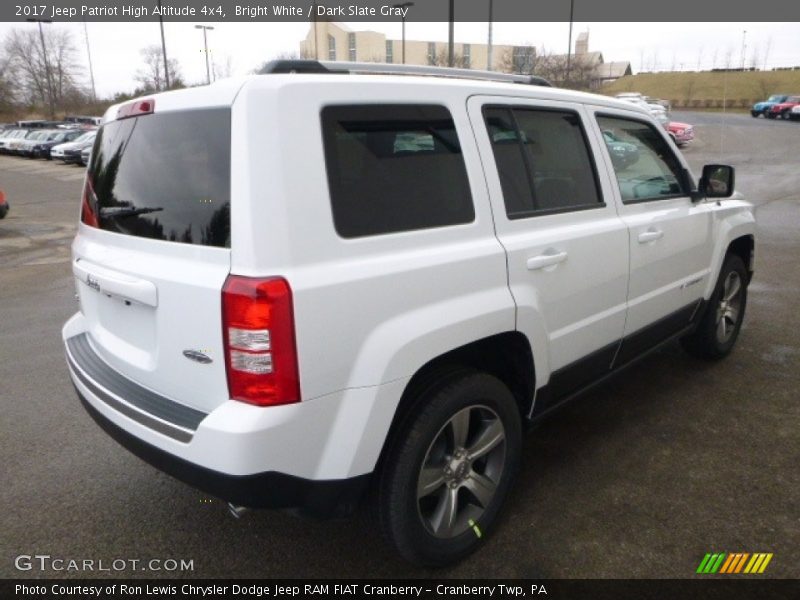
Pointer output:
x,y
163,46
569,41
744,46
46,66
489,41
89,54
450,35
403,18
205,43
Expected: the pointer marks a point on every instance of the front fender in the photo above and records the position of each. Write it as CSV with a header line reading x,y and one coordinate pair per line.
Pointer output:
x,y
734,219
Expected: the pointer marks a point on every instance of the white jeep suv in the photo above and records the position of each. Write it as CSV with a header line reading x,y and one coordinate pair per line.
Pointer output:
x,y
299,285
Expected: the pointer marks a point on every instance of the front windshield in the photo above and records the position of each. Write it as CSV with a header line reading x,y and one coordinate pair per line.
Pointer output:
x,y
775,98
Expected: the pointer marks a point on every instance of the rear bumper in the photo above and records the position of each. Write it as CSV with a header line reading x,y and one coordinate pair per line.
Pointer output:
x,y
316,456
318,498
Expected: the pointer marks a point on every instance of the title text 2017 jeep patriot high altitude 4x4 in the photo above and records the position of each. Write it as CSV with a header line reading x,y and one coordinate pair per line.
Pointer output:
x,y
295,285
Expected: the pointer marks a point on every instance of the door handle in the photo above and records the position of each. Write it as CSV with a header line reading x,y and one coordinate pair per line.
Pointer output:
x,y
651,235
546,260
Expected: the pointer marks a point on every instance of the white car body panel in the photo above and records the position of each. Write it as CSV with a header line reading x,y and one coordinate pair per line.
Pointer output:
x,y
370,312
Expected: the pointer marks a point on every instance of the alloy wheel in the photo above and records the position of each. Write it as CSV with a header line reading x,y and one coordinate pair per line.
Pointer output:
x,y
729,307
461,471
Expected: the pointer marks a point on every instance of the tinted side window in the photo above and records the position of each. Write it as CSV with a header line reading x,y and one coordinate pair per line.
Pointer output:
x,y
394,168
543,161
645,165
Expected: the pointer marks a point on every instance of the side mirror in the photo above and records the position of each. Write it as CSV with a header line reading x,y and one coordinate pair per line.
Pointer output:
x,y
717,182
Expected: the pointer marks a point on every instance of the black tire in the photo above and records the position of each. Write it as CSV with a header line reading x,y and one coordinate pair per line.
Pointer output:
x,y
755,113
712,339
416,522
785,115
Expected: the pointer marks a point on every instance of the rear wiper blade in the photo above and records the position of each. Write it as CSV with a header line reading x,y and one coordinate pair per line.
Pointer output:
x,y
123,211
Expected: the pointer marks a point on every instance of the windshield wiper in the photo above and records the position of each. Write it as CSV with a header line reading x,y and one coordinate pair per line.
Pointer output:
x,y
123,211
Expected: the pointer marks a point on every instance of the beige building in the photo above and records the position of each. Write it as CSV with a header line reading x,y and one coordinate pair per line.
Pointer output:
x,y
336,41
330,40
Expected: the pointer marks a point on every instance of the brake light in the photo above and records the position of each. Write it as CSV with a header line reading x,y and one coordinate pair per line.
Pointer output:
x,y
137,108
88,212
258,333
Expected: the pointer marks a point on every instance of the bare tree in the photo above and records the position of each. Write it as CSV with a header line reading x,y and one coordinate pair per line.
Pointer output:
x,y
728,57
42,79
755,59
766,51
699,58
521,60
151,76
8,78
223,69
526,60
714,58
442,60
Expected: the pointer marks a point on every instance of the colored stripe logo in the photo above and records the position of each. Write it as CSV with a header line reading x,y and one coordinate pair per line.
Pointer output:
x,y
734,562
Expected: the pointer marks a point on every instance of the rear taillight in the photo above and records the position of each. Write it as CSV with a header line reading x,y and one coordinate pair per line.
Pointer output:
x,y
258,333
88,205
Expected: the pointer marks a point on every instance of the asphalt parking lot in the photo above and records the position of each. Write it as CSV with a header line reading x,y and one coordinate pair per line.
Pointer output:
x,y
640,478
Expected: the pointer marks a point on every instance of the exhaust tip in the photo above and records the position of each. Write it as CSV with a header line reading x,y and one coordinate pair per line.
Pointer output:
x,y
236,511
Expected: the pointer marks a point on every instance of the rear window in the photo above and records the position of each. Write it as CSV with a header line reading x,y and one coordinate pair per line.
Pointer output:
x,y
394,168
165,176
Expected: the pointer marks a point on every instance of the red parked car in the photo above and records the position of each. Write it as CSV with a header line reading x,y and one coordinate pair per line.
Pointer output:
x,y
681,133
3,205
783,109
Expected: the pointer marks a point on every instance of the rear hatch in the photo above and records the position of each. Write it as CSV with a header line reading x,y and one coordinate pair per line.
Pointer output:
x,y
153,250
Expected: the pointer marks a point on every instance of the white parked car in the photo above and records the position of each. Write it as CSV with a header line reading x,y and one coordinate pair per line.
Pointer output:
x,y
57,152
295,286
794,113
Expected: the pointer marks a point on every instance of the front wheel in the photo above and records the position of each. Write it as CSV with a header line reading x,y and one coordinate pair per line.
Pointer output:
x,y
450,469
785,115
719,327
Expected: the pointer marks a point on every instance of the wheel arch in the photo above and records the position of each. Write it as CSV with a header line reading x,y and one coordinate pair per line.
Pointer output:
x,y
736,233
507,356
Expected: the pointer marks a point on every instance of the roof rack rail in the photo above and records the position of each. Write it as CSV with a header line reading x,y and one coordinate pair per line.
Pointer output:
x,y
316,66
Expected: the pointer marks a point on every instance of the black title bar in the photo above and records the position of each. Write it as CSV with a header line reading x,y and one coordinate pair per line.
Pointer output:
x,y
706,588
388,10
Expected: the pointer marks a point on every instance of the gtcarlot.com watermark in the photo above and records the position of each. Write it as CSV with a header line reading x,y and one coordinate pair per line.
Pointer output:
x,y
46,562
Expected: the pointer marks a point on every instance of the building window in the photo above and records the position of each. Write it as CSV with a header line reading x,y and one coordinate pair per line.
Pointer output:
x,y
467,52
431,53
523,59
331,48
351,43
389,51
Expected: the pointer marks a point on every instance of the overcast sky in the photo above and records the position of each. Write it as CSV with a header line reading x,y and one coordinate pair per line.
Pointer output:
x,y
115,46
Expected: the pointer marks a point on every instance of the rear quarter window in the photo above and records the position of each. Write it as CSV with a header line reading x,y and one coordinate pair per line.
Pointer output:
x,y
394,168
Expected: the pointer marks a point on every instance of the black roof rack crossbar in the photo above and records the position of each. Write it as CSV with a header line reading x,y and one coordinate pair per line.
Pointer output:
x,y
316,66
